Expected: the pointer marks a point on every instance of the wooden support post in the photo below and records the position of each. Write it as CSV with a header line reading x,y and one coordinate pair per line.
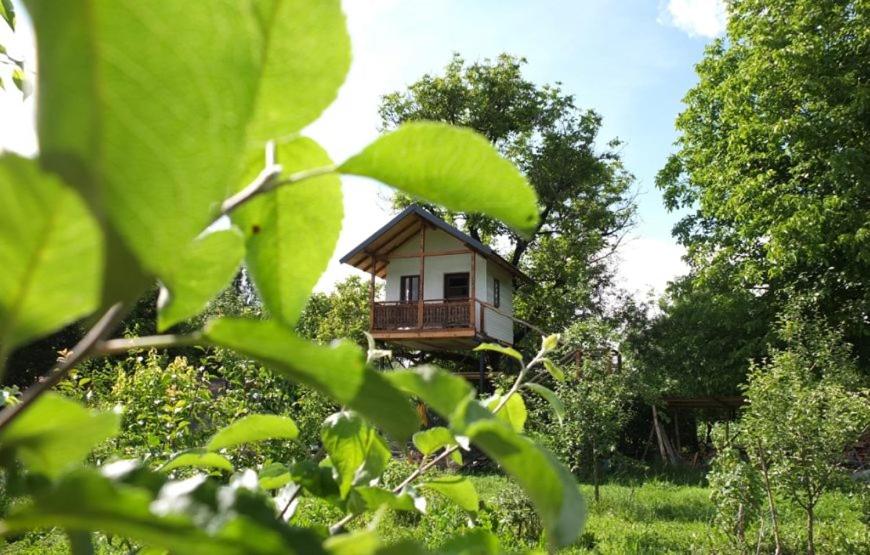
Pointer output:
x,y
422,274
472,292
481,367
372,297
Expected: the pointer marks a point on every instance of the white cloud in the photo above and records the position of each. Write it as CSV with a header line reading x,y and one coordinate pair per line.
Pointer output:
x,y
646,265
704,18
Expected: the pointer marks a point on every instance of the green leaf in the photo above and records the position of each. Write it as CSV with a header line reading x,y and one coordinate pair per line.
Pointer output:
x,y
253,428
210,264
56,433
456,488
500,349
437,388
550,342
50,254
551,488
274,476
197,459
337,371
452,166
429,441
18,78
554,370
357,452
474,542
7,12
513,412
356,543
306,61
147,128
371,498
553,399
291,232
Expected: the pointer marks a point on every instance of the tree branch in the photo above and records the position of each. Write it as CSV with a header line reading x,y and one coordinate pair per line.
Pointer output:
x,y
80,352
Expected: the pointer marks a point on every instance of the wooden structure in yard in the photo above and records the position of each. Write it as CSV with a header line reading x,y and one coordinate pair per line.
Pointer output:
x,y
444,290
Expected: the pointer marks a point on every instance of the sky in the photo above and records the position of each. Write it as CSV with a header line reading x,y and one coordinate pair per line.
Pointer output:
x,y
630,60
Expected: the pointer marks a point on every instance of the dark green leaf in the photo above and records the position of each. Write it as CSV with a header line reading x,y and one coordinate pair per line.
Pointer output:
x,y
452,166
7,12
337,371
56,433
370,498
50,254
253,428
197,459
274,476
500,349
357,452
210,264
551,397
456,488
291,232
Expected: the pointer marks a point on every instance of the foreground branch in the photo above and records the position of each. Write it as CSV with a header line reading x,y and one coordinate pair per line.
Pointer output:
x,y
80,352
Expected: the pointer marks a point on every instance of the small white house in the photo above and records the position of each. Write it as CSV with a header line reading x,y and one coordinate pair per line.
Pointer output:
x,y
444,289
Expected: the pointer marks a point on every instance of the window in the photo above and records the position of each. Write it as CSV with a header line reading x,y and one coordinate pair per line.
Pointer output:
x,y
496,293
409,288
456,286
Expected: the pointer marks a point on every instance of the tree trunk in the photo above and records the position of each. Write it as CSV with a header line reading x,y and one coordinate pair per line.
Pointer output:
x,y
741,524
595,476
773,516
811,542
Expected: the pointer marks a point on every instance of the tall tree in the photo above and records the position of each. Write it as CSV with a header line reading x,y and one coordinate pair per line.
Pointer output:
x,y
773,159
584,191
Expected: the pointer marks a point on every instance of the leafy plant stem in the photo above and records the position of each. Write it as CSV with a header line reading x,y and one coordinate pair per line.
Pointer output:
x,y
268,180
118,346
339,525
80,352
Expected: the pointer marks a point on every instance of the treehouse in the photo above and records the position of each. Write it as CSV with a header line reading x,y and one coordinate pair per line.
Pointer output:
x,y
444,290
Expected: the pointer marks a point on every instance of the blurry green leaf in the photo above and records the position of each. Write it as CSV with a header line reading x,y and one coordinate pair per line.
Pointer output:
x,y
318,480
274,476
554,370
354,543
437,388
306,61
370,498
56,433
456,488
337,371
551,488
550,342
18,78
7,12
253,428
500,349
551,397
513,412
357,452
50,254
452,166
291,232
197,459
474,542
210,264
429,441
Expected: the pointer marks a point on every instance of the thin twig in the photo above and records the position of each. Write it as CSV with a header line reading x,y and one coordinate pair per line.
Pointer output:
x,y
292,498
268,181
81,351
119,346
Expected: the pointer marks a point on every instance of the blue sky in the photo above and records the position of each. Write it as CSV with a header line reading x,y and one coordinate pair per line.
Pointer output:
x,y
631,60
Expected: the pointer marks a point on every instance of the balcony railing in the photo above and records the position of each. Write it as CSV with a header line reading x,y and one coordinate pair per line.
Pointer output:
x,y
428,314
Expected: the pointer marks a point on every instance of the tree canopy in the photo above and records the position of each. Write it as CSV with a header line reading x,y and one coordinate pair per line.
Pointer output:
x,y
584,191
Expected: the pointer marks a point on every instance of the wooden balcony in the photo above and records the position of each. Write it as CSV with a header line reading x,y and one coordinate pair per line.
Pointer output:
x,y
430,324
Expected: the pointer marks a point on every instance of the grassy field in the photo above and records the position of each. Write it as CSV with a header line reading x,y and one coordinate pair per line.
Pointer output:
x,y
656,514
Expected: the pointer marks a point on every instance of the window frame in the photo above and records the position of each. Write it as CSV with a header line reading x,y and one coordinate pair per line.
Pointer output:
x,y
467,276
496,293
403,290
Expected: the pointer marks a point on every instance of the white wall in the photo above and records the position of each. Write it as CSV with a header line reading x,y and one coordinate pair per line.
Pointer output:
x,y
495,321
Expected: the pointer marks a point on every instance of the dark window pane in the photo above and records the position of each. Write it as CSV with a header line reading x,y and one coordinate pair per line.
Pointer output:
x,y
456,286
496,293
409,288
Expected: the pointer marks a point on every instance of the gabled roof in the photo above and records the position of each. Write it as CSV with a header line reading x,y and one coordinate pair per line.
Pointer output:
x,y
403,227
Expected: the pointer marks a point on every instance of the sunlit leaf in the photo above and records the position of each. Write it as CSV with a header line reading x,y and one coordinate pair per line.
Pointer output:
x,y
337,371
437,388
291,232
474,542
357,452
253,428
554,370
553,399
55,434
456,488
513,411
7,12
500,349
451,166
429,441
198,459
274,476
50,254
371,498
210,264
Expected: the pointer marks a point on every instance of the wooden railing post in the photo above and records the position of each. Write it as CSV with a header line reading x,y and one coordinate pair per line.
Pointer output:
x,y
422,273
